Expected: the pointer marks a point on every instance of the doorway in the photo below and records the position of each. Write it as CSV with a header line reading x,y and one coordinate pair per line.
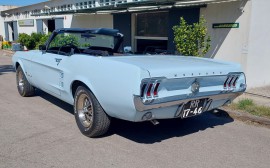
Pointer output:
x,y
12,31
51,25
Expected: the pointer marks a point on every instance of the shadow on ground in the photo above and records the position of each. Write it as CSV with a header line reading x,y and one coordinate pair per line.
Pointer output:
x,y
6,68
146,132
63,105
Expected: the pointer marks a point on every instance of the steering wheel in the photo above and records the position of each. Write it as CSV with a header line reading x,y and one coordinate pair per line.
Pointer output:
x,y
72,46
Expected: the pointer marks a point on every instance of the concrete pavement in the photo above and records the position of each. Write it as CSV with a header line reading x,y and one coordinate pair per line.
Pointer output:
x,y
41,131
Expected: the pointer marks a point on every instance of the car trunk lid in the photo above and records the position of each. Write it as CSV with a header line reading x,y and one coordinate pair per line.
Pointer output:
x,y
179,66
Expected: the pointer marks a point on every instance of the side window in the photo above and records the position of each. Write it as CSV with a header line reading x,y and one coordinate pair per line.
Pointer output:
x,y
61,43
54,45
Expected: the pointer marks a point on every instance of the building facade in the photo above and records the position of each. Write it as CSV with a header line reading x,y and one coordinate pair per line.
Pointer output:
x,y
238,28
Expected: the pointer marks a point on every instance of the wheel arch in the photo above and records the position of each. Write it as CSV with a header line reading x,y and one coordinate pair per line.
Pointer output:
x,y
17,64
76,83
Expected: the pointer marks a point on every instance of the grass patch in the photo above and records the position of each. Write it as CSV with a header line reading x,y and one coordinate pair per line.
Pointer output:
x,y
247,105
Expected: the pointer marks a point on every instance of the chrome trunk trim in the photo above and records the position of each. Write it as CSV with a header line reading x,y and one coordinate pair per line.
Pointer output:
x,y
140,106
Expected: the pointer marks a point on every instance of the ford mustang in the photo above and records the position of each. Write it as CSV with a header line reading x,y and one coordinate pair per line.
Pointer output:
x,y
85,68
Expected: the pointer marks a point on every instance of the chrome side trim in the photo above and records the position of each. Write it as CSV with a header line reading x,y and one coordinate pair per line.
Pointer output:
x,y
140,106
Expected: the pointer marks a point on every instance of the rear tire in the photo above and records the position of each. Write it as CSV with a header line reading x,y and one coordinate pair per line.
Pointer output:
x,y
24,87
90,116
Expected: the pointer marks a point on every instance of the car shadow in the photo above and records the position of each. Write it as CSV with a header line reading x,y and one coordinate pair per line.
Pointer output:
x,y
6,68
61,104
146,132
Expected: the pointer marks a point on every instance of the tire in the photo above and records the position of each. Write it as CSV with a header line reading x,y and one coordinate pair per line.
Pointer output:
x,y
24,87
90,116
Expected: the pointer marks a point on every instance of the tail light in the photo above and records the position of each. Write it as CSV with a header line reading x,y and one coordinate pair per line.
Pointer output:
x,y
231,81
234,82
156,89
150,89
143,89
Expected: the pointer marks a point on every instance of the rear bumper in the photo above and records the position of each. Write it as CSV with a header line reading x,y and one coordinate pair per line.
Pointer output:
x,y
141,107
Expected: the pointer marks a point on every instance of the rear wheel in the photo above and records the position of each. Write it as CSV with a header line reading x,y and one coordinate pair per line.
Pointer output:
x,y
24,87
90,116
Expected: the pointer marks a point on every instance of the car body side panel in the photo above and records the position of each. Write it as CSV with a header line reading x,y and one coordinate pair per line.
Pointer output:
x,y
113,80
24,59
113,83
46,72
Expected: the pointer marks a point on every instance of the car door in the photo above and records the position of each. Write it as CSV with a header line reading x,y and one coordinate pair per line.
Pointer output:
x,y
47,69
47,73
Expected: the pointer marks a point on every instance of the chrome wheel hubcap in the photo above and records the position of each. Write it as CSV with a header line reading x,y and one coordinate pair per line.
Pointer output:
x,y
85,110
20,81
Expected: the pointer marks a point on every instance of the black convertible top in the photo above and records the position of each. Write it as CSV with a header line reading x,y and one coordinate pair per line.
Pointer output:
x,y
102,31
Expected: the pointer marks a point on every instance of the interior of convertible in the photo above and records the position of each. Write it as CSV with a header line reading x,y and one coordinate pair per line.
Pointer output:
x,y
70,43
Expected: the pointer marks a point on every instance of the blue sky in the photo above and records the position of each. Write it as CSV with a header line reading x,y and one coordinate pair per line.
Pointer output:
x,y
19,2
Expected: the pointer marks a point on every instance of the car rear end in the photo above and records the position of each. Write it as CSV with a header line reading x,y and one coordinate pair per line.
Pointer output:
x,y
183,86
162,98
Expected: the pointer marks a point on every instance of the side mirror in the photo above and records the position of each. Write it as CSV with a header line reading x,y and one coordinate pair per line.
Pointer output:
x,y
42,47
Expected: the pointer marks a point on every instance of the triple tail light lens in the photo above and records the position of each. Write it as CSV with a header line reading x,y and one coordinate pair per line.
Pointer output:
x,y
231,81
150,89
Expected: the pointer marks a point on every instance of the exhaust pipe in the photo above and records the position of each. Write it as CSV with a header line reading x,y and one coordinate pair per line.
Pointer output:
x,y
155,122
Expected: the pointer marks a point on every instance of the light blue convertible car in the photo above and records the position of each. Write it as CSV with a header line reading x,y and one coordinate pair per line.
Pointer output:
x,y
84,68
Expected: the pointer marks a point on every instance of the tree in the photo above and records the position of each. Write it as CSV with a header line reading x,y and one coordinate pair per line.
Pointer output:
x,y
192,40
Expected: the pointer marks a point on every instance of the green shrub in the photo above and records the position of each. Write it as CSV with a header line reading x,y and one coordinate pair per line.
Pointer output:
x,y
33,41
192,40
26,40
43,40
64,39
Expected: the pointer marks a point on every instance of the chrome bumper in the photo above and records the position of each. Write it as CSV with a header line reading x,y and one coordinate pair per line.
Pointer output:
x,y
140,106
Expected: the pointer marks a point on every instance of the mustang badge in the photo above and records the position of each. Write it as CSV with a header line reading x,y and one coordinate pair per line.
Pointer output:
x,y
58,60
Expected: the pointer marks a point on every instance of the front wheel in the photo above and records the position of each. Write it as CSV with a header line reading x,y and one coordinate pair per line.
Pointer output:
x,y
90,116
24,87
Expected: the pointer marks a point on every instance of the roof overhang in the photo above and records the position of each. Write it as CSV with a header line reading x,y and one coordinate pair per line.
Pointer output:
x,y
135,6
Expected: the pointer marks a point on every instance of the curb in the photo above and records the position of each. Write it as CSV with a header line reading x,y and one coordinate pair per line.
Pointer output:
x,y
242,116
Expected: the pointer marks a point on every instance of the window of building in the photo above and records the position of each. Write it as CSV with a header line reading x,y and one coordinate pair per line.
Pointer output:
x,y
64,7
152,24
89,4
85,5
101,3
151,32
81,5
69,7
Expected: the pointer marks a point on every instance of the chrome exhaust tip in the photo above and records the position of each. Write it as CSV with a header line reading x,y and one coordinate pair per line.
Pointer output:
x,y
155,122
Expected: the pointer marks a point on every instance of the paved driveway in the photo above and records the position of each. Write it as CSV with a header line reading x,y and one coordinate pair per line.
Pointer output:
x,y
41,131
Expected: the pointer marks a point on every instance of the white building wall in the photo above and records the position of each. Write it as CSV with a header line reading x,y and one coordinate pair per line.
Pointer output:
x,y
229,44
92,21
27,29
258,63
2,28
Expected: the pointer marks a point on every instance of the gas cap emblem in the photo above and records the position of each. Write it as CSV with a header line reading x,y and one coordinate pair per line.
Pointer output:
x,y
195,87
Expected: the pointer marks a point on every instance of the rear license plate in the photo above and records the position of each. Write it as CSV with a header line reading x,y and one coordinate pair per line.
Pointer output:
x,y
193,108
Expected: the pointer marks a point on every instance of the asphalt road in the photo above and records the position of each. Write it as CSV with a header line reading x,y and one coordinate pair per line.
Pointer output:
x,y
41,131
